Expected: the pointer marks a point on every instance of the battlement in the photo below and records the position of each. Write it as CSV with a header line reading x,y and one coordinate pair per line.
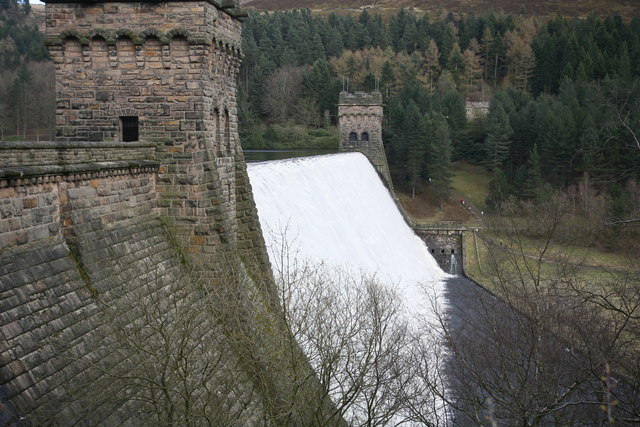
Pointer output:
x,y
360,98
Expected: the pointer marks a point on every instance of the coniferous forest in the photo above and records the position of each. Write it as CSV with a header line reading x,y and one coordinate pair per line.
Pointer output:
x,y
564,107
27,95
564,92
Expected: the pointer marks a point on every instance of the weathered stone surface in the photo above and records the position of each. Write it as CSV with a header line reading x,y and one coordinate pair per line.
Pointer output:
x,y
86,220
444,245
360,126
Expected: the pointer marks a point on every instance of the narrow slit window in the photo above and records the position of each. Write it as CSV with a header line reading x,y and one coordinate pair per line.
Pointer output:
x,y
130,128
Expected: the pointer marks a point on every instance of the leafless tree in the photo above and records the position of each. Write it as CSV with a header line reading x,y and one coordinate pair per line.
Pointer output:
x,y
358,339
282,92
554,345
154,354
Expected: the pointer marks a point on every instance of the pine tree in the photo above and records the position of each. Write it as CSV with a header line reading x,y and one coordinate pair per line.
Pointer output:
x,y
433,62
415,140
439,155
499,134
387,78
534,187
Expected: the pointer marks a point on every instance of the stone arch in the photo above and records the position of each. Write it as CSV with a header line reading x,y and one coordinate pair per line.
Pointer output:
x,y
353,136
179,33
128,34
72,49
364,136
107,36
99,52
126,49
152,49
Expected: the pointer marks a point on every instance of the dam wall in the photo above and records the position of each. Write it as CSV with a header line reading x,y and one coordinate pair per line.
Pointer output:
x,y
135,283
78,238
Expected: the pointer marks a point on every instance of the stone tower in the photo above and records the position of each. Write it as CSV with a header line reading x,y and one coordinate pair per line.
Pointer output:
x,y
360,125
165,73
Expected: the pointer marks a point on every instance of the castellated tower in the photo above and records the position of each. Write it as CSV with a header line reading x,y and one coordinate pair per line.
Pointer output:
x,y
134,278
360,125
164,73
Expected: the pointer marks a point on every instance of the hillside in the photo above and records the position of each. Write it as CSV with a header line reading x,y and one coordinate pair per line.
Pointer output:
x,y
625,8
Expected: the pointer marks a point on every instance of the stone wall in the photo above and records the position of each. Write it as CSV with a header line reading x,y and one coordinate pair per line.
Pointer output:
x,y
173,66
74,245
444,245
94,229
360,126
17,154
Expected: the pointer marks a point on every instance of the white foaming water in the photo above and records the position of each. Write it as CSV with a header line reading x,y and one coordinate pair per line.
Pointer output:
x,y
336,210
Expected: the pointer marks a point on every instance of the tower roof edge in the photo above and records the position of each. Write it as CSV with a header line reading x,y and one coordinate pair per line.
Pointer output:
x,y
232,7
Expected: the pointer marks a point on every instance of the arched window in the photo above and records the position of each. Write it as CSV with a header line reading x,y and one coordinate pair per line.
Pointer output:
x,y
364,136
353,136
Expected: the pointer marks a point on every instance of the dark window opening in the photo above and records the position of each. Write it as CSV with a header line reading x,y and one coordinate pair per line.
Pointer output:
x,y
433,251
453,251
353,136
442,251
227,131
130,127
365,136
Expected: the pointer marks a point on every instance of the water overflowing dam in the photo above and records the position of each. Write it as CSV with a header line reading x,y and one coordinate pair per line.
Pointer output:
x,y
336,210
477,348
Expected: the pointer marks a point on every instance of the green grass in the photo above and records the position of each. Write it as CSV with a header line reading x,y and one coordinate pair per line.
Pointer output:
x,y
592,265
471,183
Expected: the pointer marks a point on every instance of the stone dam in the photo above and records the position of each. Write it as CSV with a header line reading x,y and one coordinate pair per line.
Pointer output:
x,y
137,219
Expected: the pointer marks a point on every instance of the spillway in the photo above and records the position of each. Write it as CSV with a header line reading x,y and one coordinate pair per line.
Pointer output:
x,y
336,210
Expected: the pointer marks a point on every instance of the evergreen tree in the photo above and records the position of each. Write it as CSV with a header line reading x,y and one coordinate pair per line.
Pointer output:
x,y
534,187
439,155
499,190
554,127
320,85
387,79
499,134
415,142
